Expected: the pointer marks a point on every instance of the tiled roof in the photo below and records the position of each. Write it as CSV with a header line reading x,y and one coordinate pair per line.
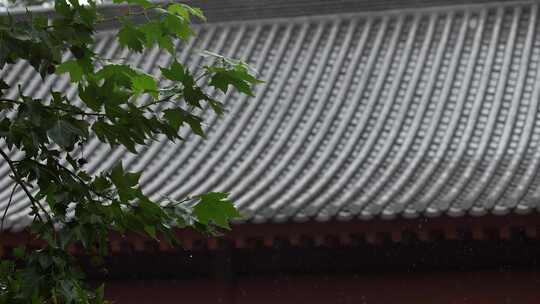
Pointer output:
x,y
420,113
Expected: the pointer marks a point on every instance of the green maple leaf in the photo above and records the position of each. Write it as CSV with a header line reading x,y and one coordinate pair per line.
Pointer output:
x,y
152,32
72,67
216,106
194,95
118,73
124,179
64,133
238,77
91,96
180,10
143,3
167,43
215,208
177,25
144,83
177,116
185,11
131,37
62,8
175,72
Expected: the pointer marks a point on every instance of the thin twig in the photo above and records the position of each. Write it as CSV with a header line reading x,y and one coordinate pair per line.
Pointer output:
x,y
186,199
164,99
111,59
8,205
201,77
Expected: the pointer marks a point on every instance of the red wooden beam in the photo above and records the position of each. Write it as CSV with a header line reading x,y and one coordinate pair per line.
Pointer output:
x,y
323,233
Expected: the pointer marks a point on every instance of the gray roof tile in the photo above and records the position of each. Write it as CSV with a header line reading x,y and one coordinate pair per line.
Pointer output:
x,y
421,113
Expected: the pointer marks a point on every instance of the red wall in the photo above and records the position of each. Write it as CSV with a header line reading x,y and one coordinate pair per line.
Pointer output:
x,y
469,287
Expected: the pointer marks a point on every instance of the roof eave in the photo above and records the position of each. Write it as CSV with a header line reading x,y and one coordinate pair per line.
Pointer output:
x,y
245,10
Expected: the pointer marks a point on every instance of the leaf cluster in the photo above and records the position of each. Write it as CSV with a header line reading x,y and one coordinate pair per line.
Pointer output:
x,y
117,104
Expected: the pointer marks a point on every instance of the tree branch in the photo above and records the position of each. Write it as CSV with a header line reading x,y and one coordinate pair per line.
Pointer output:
x,y
35,203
